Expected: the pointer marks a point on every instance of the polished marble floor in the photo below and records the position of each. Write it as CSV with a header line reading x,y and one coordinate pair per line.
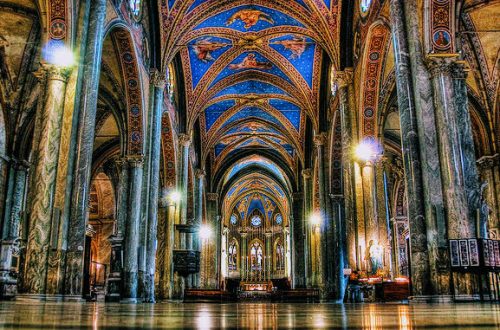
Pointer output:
x,y
38,315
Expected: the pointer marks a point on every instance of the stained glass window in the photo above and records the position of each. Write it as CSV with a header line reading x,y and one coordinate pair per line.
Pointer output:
x,y
280,257
234,219
256,221
256,256
279,219
135,6
365,5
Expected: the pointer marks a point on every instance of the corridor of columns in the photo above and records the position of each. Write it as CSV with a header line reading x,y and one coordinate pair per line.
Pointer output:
x,y
300,150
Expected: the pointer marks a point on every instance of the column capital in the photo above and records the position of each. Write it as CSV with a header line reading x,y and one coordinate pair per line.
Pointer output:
x,y
269,234
488,162
446,64
319,139
343,78
212,196
136,161
21,165
306,173
48,71
297,196
243,233
200,173
157,78
185,140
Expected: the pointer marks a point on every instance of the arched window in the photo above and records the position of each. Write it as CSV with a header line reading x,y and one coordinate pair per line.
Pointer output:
x,y
365,6
233,219
256,256
135,6
233,256
279,219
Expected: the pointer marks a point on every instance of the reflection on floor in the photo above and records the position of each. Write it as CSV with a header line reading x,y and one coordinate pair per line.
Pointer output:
x,y
48,315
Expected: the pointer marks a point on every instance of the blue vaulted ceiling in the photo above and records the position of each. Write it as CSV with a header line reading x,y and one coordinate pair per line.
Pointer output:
x,y
246,64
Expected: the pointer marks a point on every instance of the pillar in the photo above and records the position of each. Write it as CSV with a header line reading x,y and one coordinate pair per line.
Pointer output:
x,y
41,222
307,201
158,80
200,177
244,255
131,240
9,245
420,268
324,256
168,280
431,174
84,149
298,237
269,254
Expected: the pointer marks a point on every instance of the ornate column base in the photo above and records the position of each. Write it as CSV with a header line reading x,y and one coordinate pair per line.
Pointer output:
x,y
8,278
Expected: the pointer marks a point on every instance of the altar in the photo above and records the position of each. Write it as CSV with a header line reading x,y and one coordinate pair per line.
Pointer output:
x,y
263,286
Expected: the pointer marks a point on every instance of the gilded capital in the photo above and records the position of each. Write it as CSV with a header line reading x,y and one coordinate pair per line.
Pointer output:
x,y
158,79
343,78
136,161
306,173
185,140
52,72
200,173
447,65
212,196
319,139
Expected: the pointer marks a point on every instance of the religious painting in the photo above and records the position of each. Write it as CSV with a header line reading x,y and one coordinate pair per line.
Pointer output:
x,y
474,252
454,254
464,253
250,62
441,38
250,17
280,257
204,48
296,45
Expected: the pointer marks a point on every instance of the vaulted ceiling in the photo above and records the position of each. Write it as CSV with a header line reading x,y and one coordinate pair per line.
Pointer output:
x,y
252,72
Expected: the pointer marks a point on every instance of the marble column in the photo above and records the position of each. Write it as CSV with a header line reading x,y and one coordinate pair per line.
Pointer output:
x,y
345,204
200,177
420,271
214,245
429,155
9,245
168,280
131,239
41,222
158,80
370,206
92,56
451,157
306,177
122,193
324,260
244,255
298,233
268,261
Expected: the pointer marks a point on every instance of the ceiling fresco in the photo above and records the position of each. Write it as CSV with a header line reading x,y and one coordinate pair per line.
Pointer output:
x,y
251,70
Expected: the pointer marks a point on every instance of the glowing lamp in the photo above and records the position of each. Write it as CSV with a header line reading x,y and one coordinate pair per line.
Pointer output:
x,y
175,197
59,55
366,151
205,232
315,220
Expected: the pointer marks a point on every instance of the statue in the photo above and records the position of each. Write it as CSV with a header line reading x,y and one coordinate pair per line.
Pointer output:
x,y
374,257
